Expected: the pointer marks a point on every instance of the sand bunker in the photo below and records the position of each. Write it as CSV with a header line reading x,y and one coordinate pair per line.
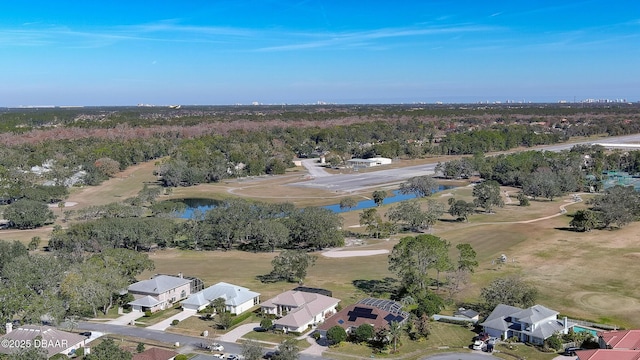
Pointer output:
x,y
352,253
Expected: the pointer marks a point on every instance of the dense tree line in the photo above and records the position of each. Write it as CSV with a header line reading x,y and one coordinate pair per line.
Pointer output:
x,y
233,224
209,144
42,287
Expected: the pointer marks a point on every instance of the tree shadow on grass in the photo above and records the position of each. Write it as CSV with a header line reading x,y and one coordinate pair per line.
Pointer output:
x,y
376,288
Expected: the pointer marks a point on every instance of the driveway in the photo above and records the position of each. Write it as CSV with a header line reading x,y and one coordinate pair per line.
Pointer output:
x,y
235,334
126,319
164,324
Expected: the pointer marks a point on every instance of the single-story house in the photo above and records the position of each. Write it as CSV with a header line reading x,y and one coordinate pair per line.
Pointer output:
x,y
237,299
619,339
608,354
159,292
155,354
298,310
376,312
532,325
54,341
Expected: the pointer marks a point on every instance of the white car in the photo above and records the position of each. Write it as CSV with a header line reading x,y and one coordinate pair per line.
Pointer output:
x,y
216,347
218,356
478,345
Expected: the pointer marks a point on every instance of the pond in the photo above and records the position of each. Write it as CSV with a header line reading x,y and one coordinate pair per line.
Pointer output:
x,y
203,205
397,197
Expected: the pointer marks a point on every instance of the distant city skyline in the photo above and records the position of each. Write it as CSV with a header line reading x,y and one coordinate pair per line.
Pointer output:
x,y
211,52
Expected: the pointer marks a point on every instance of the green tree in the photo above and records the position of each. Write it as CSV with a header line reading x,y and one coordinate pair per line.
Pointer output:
x,y
419,327
584,220
348,203
364,333
461,209
523,199
379,196
224,320
509,291
140,347
287,350
619,205
130,263
219,305
251,350
108,350
395,332
315,228
292,265
487,195
34,244
266,324
467,260
413,257
269,235
336,334
28,214
421,186
372,221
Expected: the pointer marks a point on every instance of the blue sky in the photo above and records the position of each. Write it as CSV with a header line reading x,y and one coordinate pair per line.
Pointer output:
x,y
273,52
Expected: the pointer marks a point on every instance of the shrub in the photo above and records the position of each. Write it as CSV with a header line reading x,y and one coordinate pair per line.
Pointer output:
x,y
266,324
336,334
240,318
147,313
175,322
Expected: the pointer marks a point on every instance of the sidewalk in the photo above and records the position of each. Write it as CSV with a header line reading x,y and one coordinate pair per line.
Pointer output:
x,y
164,324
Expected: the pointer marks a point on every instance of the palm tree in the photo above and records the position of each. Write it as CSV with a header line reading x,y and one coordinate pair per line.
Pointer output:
x,y
219,305
395,331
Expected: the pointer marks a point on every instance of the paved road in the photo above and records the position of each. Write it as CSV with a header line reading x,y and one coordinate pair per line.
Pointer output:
x,y
186,342
362,181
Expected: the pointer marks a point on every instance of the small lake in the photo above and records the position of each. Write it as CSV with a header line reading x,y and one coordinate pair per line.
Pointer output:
x,y
397,197
204,205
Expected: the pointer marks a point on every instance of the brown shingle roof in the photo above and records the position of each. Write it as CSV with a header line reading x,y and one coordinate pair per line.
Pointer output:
x,y
345,319
155,354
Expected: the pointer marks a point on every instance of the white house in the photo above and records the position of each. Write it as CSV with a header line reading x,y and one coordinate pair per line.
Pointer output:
x,y
237,299
158,293
298,310
533,325
371,162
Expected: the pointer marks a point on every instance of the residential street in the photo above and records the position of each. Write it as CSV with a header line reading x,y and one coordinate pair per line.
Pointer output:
x,y
187,343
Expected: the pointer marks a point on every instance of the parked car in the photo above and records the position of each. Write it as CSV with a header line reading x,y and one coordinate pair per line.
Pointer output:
x,y
218,356
571,351
270,354
478,345
216,347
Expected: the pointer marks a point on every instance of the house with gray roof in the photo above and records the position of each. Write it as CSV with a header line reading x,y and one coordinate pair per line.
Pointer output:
x,y
237,299
298,310
533,325
159,292
52,340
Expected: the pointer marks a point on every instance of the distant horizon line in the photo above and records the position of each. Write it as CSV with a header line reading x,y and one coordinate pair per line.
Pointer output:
x,y
177,107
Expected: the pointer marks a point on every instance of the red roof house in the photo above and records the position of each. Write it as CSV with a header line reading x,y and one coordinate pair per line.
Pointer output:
x,y
619,339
